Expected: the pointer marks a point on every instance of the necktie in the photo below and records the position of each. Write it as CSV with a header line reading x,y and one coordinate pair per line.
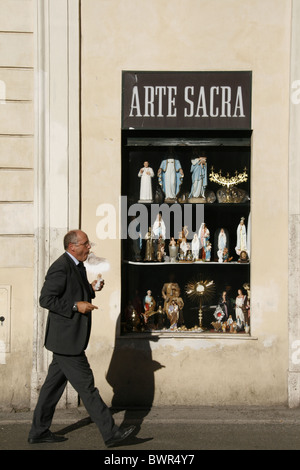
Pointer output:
x,y
82,271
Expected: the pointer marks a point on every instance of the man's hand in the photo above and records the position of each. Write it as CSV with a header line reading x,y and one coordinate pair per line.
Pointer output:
x,y
85,307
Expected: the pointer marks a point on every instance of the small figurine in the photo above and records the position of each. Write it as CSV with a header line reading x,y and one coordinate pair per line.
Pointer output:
x,y
183,234
146,173
173,314
149,306
224,303
203,236
159,233
195,247
229,322
172,241
149,254
100,281
208,251
184,247
217,325
239,306
218,313
246,286
173,303
173,250
160,252
223,256
159,227
132,318
244,258
221,241
226,257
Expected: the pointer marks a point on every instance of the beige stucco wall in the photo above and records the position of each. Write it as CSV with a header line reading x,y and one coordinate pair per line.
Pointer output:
x,y
16,199
39,143
192,35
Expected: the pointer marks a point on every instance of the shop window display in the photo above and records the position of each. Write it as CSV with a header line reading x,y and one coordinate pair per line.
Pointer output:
x,y
186,257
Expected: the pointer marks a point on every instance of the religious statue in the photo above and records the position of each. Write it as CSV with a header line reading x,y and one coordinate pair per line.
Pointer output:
x,y
149,306
239,308
218,314
183,235
225,256
146,174
160,248
170,177
241,235
244,258
173,303
208,251
195,247
173,250
159,234
149,253
184,247
173,314
246,286
159,227
199,179
172,241
203,236
221,245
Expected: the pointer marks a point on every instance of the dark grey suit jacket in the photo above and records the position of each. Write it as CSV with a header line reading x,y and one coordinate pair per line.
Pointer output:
x,y
67,332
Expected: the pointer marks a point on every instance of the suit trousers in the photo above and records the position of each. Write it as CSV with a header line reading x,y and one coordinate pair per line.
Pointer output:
x,y
77,371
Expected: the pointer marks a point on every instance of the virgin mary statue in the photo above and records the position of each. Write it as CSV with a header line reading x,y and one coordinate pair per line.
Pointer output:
x,y
170,176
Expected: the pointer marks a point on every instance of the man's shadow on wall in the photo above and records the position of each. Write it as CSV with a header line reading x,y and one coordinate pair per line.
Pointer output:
x,y
131,375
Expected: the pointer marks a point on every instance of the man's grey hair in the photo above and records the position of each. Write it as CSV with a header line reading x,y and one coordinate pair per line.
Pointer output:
x,y
70,237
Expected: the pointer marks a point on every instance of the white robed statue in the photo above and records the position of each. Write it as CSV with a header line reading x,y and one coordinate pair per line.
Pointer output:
x,y
241,237
170,177
222,244
146,174
195,247
203,236
159,227
199,177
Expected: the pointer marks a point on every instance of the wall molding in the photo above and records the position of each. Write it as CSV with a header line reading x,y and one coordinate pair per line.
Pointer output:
x,y
57,154
294,218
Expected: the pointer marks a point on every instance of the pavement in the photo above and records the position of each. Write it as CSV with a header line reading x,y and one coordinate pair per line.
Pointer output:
x,y
165,432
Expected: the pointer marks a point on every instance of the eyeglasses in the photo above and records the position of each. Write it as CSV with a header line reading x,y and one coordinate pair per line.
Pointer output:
x,y
86,244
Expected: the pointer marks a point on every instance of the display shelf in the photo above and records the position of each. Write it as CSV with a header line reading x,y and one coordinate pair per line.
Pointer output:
x,y
185,263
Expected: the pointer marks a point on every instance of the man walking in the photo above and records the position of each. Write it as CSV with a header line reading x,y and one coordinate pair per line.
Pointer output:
x,y
67,295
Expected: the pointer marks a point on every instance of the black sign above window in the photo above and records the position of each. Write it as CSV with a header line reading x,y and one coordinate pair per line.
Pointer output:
x,y
186,100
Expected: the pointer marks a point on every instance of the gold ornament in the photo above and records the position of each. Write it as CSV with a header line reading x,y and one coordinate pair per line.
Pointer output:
x,y
200,291
228,181
230,192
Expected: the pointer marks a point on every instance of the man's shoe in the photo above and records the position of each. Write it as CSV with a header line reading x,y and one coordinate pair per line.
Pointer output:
x,y
49,437
119,436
